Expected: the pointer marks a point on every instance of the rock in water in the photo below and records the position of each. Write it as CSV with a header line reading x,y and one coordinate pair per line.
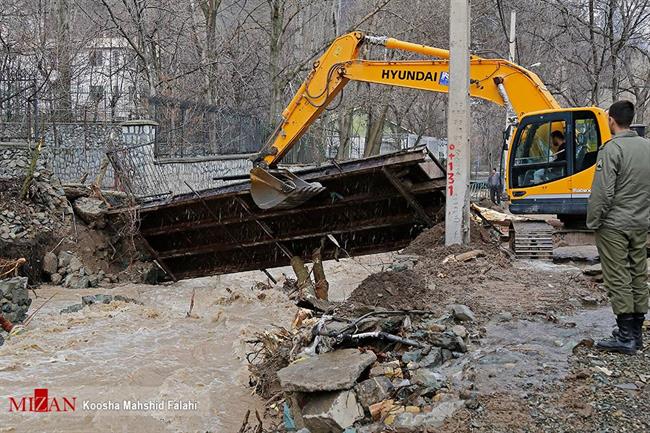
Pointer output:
x,y
72,308
330,371
332,411
96,299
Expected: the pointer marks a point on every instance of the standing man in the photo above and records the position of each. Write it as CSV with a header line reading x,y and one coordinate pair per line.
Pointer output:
x,y
494,183
619,211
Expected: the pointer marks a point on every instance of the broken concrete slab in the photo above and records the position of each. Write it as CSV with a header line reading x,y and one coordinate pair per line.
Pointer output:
x,y
330,371
373,390
332,411
581,253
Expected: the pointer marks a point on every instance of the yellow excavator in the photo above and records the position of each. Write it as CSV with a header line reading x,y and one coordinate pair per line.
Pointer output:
x,y
550,156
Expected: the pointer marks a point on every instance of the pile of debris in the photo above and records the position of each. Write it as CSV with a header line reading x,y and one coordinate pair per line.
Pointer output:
x,y
382,369
68,270
44,212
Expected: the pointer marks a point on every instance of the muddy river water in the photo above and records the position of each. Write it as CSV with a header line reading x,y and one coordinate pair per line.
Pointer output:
x,y
149,368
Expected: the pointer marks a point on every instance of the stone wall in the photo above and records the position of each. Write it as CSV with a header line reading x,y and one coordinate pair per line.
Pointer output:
x,y
14,159
75,152
150,177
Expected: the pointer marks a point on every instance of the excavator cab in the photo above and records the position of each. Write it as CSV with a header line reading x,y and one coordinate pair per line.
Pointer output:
x,y
552,161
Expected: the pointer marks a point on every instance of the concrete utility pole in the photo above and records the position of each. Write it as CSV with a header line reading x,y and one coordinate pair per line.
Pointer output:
x,y
458,125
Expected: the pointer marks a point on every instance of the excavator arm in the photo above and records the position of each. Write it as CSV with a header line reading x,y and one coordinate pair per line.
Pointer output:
x,y
495,80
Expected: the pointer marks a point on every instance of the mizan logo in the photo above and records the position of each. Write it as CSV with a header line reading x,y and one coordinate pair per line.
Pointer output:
x,y
42,402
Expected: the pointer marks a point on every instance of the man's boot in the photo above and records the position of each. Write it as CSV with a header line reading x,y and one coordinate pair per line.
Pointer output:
x,y
637,332
624,341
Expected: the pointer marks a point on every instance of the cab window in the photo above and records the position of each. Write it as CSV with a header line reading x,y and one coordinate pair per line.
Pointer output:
x,y
540,153
587,140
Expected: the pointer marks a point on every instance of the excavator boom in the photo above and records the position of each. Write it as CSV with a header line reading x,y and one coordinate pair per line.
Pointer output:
x,y
495,80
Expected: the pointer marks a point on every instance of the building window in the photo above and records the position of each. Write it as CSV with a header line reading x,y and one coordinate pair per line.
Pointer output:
x,y
96,58
96,93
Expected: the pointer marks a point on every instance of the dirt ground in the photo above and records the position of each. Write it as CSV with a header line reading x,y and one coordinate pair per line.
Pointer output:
x,y
490,284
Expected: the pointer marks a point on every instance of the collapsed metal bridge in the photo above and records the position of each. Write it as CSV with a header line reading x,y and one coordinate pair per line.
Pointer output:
x,y
372,205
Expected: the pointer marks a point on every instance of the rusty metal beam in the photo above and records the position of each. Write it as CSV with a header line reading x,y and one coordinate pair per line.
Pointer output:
x,y
220,246
408,196
341,203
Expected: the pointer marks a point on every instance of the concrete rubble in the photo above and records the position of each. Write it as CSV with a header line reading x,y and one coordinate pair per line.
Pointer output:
x,y
381,370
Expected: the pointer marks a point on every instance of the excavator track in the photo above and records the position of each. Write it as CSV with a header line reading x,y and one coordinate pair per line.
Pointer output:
x,y
532,240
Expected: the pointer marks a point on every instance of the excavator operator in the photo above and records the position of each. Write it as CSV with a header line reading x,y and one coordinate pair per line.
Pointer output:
x,y
559,145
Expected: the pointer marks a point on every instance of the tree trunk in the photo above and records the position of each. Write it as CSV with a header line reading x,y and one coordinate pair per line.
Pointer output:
x,y
345,131
277,84
210,9
375,132
63,100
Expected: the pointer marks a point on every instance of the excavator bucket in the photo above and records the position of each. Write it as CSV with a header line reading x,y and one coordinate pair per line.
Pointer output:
x,y
281,190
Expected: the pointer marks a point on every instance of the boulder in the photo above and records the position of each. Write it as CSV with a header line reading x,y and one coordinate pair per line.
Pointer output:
x,y
432,359
373,390
56,279
75,264
593,270
80,283
90,210
72,309
445,340
459,330
96,299
331,411
64,259
330,371
50,263
462,313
